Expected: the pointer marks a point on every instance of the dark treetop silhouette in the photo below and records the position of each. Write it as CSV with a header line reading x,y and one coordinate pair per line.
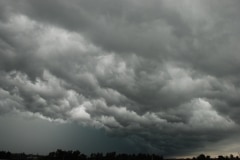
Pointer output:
x,y
77,155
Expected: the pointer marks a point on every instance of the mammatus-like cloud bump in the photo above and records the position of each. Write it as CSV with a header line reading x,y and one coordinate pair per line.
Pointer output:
x,y
162,73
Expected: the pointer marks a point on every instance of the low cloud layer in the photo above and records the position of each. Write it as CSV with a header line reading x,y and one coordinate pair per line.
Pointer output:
x,y
162,73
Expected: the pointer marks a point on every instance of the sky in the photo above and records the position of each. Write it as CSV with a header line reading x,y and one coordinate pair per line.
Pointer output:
x,y
155,76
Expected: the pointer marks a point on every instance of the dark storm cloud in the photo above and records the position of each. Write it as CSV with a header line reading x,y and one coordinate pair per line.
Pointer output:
x,y
164,74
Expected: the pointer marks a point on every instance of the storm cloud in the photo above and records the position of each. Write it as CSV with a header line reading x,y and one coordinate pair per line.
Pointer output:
x,y
162,73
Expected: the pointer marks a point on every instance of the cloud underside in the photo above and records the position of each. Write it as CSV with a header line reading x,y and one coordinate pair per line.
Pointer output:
x,y
163,73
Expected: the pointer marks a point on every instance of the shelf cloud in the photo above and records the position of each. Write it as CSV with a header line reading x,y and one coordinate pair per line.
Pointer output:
x,y
162,73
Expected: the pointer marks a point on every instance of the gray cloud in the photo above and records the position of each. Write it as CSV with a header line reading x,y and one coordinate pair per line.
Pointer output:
x,y
163,74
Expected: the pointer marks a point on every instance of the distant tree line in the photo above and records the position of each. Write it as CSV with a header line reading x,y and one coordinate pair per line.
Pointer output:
x,y
220,157
77,155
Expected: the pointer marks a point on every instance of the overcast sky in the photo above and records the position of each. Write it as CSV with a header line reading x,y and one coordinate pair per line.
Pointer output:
x,y
155,76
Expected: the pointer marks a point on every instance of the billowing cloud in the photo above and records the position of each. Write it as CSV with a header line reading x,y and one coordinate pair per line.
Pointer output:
x,y
163,74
